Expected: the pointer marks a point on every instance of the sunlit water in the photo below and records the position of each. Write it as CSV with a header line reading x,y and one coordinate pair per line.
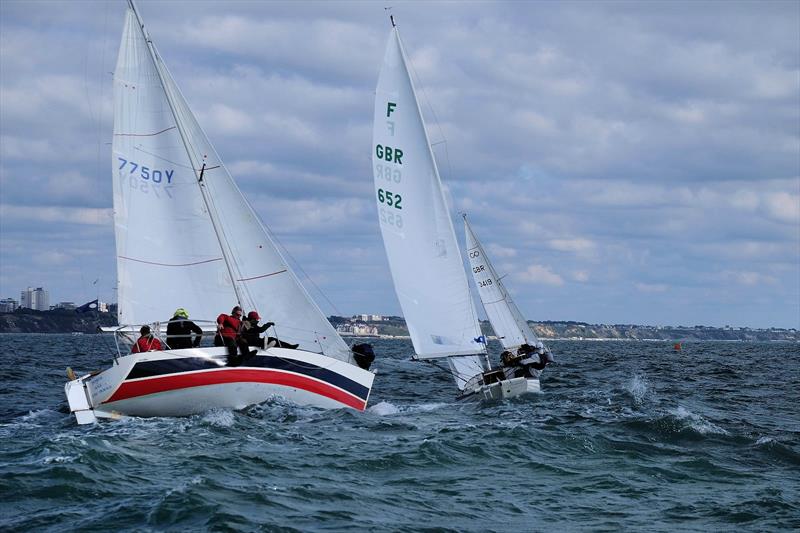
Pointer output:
x,y
625,435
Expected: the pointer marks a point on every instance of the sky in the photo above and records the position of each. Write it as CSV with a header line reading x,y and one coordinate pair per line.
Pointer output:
x,y
622,162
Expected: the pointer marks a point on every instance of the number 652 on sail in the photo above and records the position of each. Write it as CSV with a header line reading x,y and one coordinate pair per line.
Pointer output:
x,y
390,199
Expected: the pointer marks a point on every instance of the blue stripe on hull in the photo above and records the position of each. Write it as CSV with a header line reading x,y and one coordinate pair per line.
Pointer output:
x,y
146,369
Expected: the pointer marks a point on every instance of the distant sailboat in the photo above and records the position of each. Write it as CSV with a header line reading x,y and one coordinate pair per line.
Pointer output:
x,y
510,327
425,260
186,237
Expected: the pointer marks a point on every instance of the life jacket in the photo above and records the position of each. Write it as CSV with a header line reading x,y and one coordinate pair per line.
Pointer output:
x,y
147,344
230,325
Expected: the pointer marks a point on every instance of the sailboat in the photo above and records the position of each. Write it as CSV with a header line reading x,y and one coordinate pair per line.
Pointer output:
x,y
424,257
187,238
510,327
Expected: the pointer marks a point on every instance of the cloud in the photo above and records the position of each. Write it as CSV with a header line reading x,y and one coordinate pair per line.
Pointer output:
x,y
748,278
55,215
651,287
540,274
783,206
580,276
501,252
618,142
577,245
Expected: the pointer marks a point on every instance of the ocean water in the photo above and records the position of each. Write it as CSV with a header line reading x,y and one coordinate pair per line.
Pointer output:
x,y
626,435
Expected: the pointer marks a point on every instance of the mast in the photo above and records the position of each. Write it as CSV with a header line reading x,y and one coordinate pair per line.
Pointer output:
x,y
199,174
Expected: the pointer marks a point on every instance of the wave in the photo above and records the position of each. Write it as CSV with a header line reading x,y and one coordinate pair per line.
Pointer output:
x,y
697,422
219,417
639,388
383,409
387,408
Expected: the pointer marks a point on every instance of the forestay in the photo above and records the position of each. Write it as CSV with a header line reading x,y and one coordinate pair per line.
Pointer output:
x,y
508,323
424,257
186,237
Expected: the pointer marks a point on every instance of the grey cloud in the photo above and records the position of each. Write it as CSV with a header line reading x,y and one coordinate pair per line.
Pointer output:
x,y
644,153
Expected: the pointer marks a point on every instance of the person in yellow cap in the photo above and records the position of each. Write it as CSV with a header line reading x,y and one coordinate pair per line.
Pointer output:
x,y
182,332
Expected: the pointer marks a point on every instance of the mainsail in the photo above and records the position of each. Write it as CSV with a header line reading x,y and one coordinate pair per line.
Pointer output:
x,y
511,329
424,257
186,237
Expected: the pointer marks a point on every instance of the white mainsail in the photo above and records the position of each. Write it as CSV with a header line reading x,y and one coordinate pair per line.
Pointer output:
x,y
424,257
511,329
186,237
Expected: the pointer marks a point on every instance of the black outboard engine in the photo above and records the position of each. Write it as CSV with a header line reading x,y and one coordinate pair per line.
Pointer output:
x,y
364,355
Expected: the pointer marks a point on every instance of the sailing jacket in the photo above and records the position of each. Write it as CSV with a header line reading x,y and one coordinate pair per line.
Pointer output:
x,y
252,332
230,325
179,333
147,344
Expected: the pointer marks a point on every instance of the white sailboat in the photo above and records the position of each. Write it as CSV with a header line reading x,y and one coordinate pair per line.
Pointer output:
x,y
424,257
186,237
510,327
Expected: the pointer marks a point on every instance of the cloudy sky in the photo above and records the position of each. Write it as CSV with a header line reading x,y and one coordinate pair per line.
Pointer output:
x,y
622,162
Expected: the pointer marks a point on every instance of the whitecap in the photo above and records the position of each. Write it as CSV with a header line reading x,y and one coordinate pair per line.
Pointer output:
x,y
697,422
184,486
764,440
219,417
383,409
33,415
638,387
50,459
426,407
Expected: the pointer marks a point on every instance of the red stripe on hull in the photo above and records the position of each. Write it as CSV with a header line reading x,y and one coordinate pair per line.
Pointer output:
x,y
132,389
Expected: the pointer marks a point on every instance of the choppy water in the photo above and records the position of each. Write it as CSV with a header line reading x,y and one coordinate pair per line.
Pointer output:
x,y
626,435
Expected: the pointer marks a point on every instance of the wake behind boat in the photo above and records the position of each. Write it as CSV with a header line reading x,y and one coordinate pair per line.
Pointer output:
x,y
187,238
424,257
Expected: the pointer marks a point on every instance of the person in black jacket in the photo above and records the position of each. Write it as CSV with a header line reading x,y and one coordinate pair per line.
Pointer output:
x,y
251,332
182,332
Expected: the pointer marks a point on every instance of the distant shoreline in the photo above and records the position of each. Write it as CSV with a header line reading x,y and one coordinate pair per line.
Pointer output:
x,y
394,327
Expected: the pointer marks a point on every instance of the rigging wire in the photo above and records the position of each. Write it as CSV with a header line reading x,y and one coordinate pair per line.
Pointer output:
x,y
296,264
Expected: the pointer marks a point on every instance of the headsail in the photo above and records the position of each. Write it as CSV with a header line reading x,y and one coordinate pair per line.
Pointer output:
x,y
425,260
186,237
508,323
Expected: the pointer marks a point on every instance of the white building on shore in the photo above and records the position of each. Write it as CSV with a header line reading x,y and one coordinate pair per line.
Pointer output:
x,y
37,299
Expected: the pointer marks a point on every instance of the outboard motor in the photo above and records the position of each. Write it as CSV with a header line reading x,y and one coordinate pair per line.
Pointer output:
x,y
364,355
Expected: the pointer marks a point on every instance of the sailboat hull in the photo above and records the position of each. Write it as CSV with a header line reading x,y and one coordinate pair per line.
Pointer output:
x,y
502,390
191,381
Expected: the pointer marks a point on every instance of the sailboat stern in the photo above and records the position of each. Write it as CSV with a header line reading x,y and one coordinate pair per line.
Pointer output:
x,y
79,401
493,385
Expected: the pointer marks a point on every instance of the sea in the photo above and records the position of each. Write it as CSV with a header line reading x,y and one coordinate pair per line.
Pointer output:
x,y
628,436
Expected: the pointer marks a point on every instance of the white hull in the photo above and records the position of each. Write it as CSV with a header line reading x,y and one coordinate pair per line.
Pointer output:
x,y
501,390
190,381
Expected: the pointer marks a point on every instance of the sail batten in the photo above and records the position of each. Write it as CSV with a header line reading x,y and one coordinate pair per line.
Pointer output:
x,y
419,238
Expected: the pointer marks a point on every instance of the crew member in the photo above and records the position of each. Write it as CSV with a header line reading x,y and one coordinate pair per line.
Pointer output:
x,y
182,332
228,334
146,342
251,332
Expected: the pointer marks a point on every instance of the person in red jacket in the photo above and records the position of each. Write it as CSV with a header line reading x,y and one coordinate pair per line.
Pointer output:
x,y
146,343
229,334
